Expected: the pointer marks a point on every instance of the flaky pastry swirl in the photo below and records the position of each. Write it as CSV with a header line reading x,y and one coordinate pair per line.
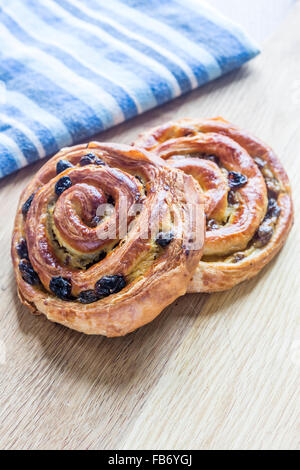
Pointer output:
x,y
85,269
248,203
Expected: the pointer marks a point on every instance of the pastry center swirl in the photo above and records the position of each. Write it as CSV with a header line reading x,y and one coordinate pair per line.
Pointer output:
x,y
99,223
236,193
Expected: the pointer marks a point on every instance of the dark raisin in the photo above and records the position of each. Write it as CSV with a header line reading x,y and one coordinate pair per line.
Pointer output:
x,y
236,180
61,287
27,204
62,184
99,258
263,234
22,249
110,200
273,209
88,297
91,159
164,238
231,197
259,162
108,285
238,257
62,165
187,132
212,158
28,273
139,178
95,221
273,187
186,250
212,225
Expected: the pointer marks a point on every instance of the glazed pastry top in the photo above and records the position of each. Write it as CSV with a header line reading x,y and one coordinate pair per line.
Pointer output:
x,y
71,256
248,203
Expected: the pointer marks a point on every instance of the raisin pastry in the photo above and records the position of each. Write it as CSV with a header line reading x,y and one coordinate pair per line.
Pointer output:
x,y
248,205
111,272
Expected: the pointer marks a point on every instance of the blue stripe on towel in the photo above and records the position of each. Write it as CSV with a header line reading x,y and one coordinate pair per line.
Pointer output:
x,y
80,120
124,100
21,139
71,68
43,134
181,77
103,47
221,43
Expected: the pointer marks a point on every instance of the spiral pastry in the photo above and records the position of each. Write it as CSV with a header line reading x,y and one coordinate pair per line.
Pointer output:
x,y
248,205
112,271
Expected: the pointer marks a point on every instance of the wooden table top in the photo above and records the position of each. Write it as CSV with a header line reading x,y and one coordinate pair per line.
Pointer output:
x,y
216,371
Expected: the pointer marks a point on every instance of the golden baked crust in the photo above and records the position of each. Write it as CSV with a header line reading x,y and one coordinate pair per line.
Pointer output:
x,y
248,203
60,246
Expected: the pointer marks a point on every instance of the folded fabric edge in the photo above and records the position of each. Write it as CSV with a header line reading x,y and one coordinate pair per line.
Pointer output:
x,y
204,8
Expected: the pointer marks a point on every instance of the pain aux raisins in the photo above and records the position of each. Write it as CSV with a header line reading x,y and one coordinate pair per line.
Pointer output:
x,y
236,180
164,238
28,273
91,159
109,285
139,179
273,209
260,163
22,249
212,225
88,296
212,158
110,200
231,197
238,257
61,287
99,258
263,234
62,165
95,221
273,187
27,204
62,184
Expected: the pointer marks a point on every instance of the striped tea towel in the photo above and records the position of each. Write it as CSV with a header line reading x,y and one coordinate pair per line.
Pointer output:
x,y
71,68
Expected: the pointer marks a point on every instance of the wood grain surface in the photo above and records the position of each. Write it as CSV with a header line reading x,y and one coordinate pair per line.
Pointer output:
x,y
214,371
